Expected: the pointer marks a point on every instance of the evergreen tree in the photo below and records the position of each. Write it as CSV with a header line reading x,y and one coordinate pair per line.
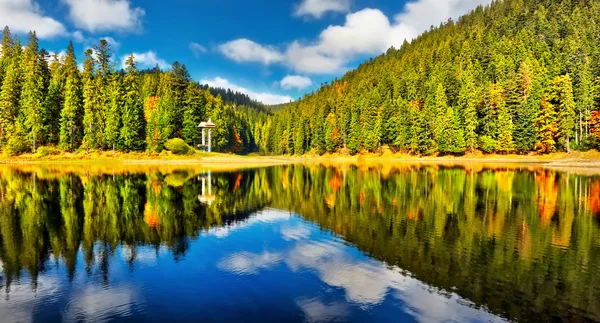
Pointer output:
x,y
194,103
10,94
547,126
562,98
468,105
112,129
71,121
32,94
132,131
54,101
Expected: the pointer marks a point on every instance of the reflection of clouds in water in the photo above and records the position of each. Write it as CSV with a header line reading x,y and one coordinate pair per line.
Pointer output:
x,y
426,306
315,311
265,216
367,283
97,304
20,303
246,263
295,233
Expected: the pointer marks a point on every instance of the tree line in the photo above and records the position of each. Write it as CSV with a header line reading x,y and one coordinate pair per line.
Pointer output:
x,y
513,76
48,100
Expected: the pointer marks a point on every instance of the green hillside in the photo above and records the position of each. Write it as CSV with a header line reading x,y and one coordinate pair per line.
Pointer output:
x,y
515,76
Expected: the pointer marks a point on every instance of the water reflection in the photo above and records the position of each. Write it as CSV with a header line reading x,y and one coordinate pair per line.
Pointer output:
x,y
409,242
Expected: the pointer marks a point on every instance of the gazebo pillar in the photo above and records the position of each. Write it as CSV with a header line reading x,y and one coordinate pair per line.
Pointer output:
x,y
209,140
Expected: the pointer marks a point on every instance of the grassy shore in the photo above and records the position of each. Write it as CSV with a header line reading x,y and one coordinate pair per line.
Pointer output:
x,y
574,159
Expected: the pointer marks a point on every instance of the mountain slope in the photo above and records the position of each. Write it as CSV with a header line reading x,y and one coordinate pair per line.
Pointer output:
x,y
515,76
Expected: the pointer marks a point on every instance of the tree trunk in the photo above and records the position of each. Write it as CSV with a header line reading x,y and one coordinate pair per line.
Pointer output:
x,y
568,144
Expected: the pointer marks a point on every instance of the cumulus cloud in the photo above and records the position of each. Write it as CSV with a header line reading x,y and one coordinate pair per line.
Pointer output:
x,y
148,59
105,15
197,49
317,8
365,32
295,82
23,16
264,97
245,50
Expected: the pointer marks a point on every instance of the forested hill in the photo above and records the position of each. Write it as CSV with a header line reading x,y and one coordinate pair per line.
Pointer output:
x,y
237,98
47,101
515,76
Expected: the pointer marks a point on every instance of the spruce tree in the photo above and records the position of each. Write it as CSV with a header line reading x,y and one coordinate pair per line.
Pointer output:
x,y
10,94
112,129
546,126
32,94
194,113
53,102
71,117
132,131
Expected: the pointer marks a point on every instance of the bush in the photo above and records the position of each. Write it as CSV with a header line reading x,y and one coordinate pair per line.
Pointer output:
x,y
47,151
178,146
487,144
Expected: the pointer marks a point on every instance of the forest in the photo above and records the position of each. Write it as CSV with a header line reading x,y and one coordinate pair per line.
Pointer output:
x,y
46,100
516,76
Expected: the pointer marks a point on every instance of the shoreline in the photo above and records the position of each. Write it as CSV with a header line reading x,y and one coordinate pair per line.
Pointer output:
x,y
589,159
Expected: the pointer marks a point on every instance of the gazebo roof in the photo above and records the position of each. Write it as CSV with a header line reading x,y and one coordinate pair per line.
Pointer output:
x,y
206,124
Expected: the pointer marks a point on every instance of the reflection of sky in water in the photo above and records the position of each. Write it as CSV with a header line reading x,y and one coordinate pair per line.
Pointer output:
x,y
272,267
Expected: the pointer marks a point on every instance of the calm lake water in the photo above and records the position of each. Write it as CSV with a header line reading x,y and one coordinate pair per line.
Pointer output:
x,y
298,243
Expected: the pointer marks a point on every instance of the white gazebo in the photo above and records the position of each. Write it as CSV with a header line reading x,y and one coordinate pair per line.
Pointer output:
x,y
206,125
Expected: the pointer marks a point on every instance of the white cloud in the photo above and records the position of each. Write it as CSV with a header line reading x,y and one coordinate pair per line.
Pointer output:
x,y
365,32
246,263
105,15
295,233
78,36
197,49
245,50
317,8
264,97
295,82
23,16
148,59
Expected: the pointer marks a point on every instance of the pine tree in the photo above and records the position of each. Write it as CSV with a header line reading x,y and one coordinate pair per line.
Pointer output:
x,y
32,95
562,98
53,102
89,101
529,97
112,129
468,105
132,131
9,97
195,104
546,126
71,121
504,142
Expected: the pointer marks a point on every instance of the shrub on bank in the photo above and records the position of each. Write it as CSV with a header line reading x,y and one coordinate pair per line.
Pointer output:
x,y
178,147
48,151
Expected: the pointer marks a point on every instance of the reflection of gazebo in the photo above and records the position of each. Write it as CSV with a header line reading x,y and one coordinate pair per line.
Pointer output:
x,y
206,198
206,125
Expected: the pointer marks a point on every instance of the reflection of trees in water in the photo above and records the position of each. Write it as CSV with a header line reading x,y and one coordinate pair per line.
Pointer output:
x,y
56,218
524,243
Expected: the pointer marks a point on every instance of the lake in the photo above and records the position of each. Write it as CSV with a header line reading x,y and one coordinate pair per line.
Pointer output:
x,y
306,243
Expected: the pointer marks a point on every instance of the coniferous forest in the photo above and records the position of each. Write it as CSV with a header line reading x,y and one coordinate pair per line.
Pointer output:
x,y
516,76
49,101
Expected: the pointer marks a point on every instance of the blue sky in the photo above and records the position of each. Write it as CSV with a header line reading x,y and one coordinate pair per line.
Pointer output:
x,y
274,50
